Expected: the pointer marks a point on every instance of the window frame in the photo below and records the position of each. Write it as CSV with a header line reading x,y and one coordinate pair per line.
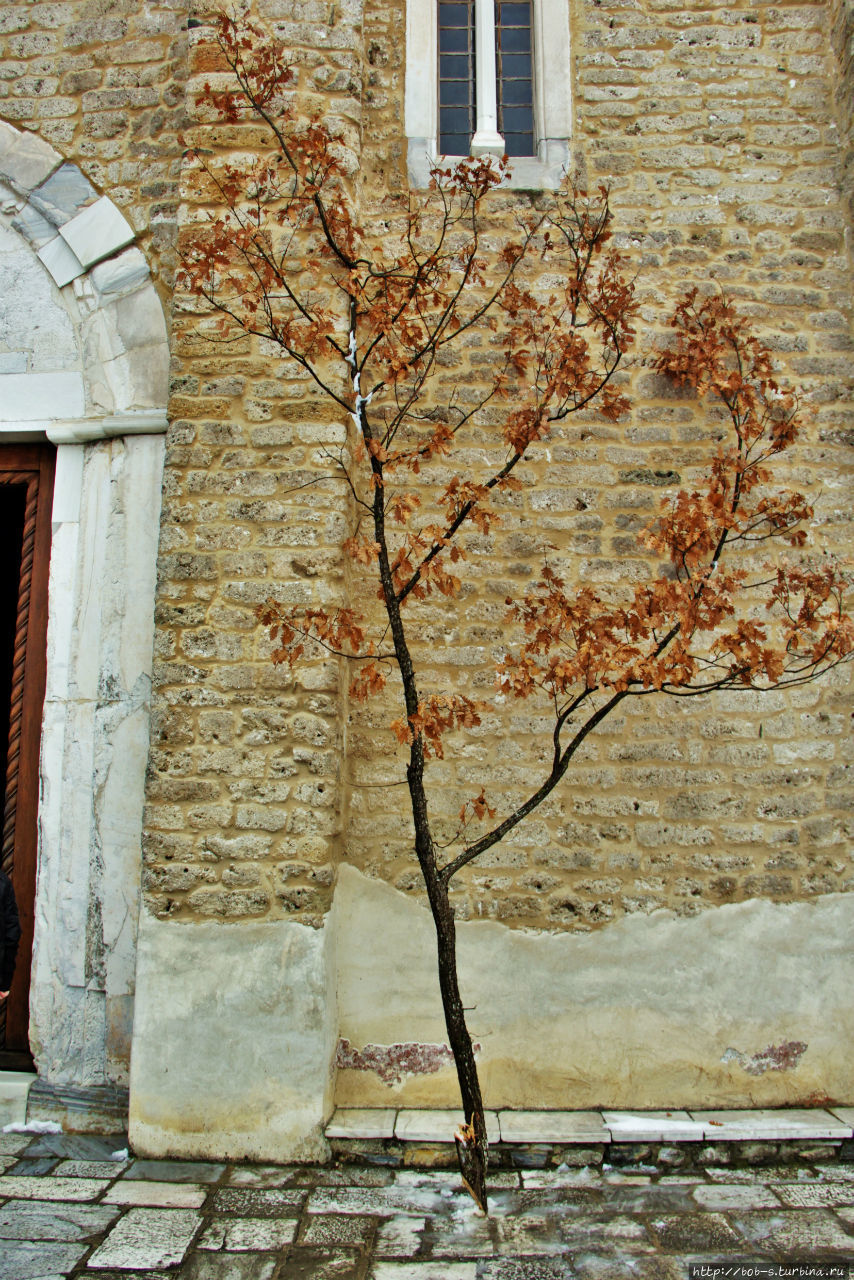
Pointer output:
x,y
552,96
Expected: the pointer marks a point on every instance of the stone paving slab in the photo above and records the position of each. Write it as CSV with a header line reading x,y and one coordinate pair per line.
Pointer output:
x,y
72,1146
13,1143
24,1260
653,1126
147,1238
424,1271
245,1235
223,1266
812,1231
162,1195
28,1220
259,1203
37,1188
742,1196
176,1170
35,1168
88,1168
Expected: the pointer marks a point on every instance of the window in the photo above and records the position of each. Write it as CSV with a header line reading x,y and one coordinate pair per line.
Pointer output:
x,y
509,116
489,77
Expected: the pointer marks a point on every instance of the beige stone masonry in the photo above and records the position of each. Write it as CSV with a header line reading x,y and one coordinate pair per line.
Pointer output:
x,y
718,131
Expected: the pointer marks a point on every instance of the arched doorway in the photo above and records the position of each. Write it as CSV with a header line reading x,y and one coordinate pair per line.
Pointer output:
x,y
83,382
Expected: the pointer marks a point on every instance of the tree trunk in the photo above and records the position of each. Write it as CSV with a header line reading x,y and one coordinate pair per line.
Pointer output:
x,y
471,1136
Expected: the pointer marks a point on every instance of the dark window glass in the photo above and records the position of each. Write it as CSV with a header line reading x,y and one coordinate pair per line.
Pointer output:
x,y
453,40
454,66
457,120
516,39
515,66
517,93
456,76
455,93
456,13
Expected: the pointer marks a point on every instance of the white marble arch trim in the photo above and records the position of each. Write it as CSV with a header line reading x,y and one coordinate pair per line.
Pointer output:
x,y
119,383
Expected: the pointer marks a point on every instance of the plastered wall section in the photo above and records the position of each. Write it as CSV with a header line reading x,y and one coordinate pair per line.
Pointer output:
x,y
718,132
653,1012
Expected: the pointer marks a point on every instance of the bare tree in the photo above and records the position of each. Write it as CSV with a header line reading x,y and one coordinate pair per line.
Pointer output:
x,y
371,313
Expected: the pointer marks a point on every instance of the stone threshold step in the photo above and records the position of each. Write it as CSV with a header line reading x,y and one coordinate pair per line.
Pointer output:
x,y
593,1127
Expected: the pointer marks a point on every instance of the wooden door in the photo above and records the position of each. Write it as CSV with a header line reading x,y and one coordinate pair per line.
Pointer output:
x,y
26,492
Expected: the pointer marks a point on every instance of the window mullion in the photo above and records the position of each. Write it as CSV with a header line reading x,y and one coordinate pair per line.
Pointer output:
x,y
487,140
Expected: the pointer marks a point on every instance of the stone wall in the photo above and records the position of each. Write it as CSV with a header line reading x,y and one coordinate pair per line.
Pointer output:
x,y
717,130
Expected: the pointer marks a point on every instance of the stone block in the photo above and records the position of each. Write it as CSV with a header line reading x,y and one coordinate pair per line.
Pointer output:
x,y
553,1126
33,226
770,1125
14,1090
62,196
364,1122
438,1125
13,362
25,158
845,1115
96,233
652,1126
185,1171
121,274
194,1099
63,265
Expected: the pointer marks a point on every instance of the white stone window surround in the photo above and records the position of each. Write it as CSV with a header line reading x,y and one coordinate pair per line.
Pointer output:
x,y
552,94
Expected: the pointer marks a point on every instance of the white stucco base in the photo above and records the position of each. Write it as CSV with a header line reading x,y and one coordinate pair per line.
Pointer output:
x,y
650,1012
234,1037
236,1025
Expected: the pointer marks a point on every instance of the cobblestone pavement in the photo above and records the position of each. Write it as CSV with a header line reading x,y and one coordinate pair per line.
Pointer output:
x,y
70,1208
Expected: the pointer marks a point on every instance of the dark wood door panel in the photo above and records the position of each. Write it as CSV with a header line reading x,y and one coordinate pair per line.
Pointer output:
x,y
26,493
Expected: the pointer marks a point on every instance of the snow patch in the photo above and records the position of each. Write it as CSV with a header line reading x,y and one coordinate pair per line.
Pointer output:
x,y
33,1126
